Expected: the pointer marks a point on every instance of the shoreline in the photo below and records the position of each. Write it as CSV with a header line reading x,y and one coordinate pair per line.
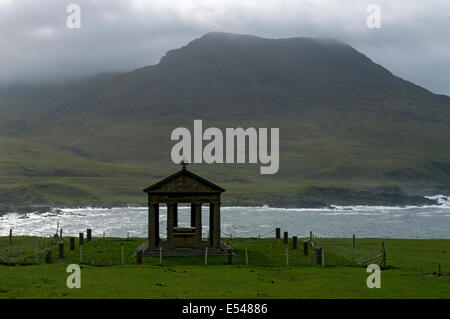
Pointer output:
x,y
425,222
310,197
429,201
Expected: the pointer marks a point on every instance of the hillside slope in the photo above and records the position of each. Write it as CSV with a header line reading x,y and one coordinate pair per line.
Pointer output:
x,y
344,120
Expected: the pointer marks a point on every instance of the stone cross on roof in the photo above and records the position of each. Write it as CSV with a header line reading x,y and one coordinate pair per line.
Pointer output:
x,y
183,164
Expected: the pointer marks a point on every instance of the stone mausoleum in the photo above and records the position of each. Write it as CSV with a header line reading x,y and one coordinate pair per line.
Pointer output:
x,y
184,187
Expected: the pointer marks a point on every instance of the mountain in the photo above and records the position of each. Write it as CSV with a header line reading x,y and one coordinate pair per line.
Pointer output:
x,y
224,72
344,120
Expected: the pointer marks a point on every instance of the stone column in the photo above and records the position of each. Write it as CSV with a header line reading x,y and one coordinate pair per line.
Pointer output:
x,y
170,220
216,228
157,224
192,215
152,225
211,224
175,215
198,225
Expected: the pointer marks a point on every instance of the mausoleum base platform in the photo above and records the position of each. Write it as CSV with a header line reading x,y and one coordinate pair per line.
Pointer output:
x,y
183,251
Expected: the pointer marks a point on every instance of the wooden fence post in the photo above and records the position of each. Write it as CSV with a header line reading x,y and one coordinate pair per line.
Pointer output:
x,y
81,238
383,263
160,255
71,243
286,238
246,257
10,235
229,253
139,257
61,249
81,254
294,242
287,258
206,256
277,233
353,241
439,270
305,244
48,256
60,233
37,254
323,257
318,256
310,236
88,234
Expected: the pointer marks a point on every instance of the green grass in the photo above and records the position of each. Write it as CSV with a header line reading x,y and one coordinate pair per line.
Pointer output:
x,y
411,272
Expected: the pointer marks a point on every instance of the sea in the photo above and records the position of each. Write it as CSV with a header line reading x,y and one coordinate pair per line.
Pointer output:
x,y
337,221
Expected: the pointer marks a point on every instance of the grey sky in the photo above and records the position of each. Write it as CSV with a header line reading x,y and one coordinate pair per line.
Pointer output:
x,y
120,35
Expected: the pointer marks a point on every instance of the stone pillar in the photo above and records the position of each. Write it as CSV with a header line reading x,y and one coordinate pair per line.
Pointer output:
x,y
216,228
305,245
192,215
139,257
152,209
72,243
319,253
170,220
158,238
211,224
48,256
175,215
229,254
61,249
198,225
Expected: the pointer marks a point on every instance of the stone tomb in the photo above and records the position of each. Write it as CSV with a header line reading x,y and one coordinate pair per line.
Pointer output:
x,y
184,187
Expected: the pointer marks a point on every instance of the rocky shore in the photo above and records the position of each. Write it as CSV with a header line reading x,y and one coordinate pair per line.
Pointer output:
x,y
322,197
310,197
24,209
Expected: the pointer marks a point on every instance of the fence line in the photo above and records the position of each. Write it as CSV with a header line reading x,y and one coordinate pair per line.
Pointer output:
x,y
350,251
268,233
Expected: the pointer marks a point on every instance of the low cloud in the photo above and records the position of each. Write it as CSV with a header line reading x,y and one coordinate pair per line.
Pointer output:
x,y
120,35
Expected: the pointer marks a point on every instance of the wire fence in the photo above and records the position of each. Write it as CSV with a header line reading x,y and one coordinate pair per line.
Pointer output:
x,y
360,253
25,250
268,234
333,251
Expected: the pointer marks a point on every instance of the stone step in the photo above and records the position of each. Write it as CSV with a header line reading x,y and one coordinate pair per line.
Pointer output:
x,y
183,251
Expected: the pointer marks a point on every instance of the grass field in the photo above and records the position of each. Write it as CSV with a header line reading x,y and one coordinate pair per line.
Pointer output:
x,y
410,273
49,172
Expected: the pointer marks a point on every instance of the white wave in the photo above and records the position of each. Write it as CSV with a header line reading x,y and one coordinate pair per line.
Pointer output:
x,y
339,221
442,200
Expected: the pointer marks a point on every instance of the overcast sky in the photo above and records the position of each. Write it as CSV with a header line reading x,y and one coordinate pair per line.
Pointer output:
x,y
120,35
